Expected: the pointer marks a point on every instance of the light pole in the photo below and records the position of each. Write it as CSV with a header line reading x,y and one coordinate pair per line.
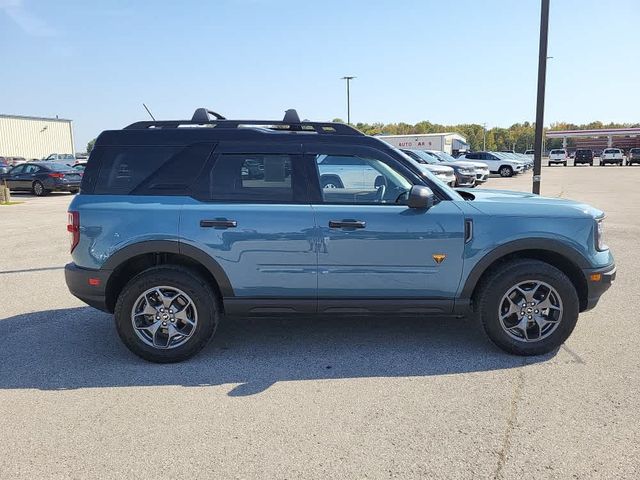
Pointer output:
x,y
542,78
348,79
484,136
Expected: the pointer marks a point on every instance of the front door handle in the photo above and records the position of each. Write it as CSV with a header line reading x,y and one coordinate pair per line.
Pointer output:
x,y
218,223
347,224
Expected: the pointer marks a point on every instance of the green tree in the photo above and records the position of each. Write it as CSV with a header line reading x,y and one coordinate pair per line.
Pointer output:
x,y
90,145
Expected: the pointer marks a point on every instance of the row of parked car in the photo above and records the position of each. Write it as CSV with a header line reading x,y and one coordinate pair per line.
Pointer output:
x,y
56,172
613,156
6,163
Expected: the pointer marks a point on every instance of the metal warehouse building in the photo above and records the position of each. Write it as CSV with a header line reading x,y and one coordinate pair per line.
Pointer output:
x,y
34,137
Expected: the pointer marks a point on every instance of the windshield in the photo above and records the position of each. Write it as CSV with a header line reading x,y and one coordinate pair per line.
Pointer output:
x,y
58,167
425,157
443,156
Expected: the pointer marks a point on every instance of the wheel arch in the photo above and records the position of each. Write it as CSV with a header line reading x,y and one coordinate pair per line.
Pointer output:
x,y
555,253
133,259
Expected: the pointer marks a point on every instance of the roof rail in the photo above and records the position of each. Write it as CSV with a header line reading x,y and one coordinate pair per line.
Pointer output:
x,y
202,115
291,122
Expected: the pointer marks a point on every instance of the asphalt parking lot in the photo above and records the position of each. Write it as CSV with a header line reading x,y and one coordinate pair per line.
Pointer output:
x,y
374,398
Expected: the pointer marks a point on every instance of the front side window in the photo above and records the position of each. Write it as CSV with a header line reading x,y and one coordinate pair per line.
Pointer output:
x,y
360,180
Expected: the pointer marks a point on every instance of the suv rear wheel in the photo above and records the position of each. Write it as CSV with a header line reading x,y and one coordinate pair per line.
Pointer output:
x,y
166,314
506,171
528,307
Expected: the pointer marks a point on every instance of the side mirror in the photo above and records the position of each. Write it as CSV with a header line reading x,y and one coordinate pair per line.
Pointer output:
x,y
420,197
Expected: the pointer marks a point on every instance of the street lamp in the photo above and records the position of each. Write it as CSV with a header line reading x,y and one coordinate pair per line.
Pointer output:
x,y
484,136
348,79
542,78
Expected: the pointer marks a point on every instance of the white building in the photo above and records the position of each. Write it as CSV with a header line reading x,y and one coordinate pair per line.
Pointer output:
x,y
448,142
35,137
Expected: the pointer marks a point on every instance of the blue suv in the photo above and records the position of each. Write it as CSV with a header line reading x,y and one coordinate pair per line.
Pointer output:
x,y
179,223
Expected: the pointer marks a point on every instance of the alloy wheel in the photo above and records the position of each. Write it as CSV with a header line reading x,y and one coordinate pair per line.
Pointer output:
x,y
530,311
164,317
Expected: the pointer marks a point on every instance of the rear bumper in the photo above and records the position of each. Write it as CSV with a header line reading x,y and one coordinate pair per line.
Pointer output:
x,y
88,285
598,281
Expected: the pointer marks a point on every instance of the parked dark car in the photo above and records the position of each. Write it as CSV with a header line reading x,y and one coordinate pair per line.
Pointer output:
x,y
42,178
583,155
634,156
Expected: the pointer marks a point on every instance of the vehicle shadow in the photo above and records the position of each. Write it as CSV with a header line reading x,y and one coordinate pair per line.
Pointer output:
x,y
79,348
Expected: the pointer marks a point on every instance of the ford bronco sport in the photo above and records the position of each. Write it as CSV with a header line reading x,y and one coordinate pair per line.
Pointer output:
x,y
179,223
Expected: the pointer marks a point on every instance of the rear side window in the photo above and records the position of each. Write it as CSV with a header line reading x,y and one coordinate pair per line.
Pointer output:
x,y
150,170
254,178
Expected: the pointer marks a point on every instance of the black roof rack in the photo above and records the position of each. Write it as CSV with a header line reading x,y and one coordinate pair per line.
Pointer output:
x,y
202,117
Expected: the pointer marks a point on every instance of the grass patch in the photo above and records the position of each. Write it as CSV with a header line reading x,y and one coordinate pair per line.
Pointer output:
x,y
10,203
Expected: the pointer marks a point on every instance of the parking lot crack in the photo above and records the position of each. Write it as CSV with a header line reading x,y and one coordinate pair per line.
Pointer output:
x,y
518,386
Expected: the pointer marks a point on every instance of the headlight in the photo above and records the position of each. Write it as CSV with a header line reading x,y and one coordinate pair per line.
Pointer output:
x,y
466,171
600,245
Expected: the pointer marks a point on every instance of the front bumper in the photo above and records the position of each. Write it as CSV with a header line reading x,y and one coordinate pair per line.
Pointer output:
x,y
448,179
482,177
465,180
88,285
598,281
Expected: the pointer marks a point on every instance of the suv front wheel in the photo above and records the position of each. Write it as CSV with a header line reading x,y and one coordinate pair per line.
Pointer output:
x,y
528,307
166,314
506,171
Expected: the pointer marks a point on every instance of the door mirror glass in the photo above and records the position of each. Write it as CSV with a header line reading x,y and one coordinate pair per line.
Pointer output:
x,y
420,197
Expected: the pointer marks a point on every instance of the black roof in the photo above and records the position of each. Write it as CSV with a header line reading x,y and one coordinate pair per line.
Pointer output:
x,y
207,126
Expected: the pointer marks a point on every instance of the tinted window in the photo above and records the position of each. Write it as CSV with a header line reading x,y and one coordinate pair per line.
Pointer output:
x,y
256,178
31,169
17,170
150,170
472,156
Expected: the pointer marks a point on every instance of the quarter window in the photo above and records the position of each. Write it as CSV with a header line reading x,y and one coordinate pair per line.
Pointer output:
x,y
154,170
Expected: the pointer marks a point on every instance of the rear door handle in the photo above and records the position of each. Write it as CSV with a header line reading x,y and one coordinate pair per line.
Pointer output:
x,y
218,223
347,224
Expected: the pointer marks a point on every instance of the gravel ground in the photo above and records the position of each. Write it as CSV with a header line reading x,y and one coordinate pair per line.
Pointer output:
x,y
361,398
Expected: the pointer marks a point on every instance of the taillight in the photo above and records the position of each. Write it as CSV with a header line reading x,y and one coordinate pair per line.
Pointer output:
x,y
56,175
73,227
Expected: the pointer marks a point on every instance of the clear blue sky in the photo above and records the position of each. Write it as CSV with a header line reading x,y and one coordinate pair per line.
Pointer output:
x,y
447,62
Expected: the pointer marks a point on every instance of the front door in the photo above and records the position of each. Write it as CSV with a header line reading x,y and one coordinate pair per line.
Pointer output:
x,y
13,177
376,254
253,217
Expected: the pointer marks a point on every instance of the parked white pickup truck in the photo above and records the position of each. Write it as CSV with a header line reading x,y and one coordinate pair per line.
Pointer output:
x,y
612,155
558,155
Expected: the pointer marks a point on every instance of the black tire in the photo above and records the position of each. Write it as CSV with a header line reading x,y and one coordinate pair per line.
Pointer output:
x,y
564,164
73,191
331,181
506,171
591,164
38,189
189,282
501,280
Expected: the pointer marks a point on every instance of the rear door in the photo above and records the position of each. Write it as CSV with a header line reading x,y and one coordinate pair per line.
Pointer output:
x,y
257,225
